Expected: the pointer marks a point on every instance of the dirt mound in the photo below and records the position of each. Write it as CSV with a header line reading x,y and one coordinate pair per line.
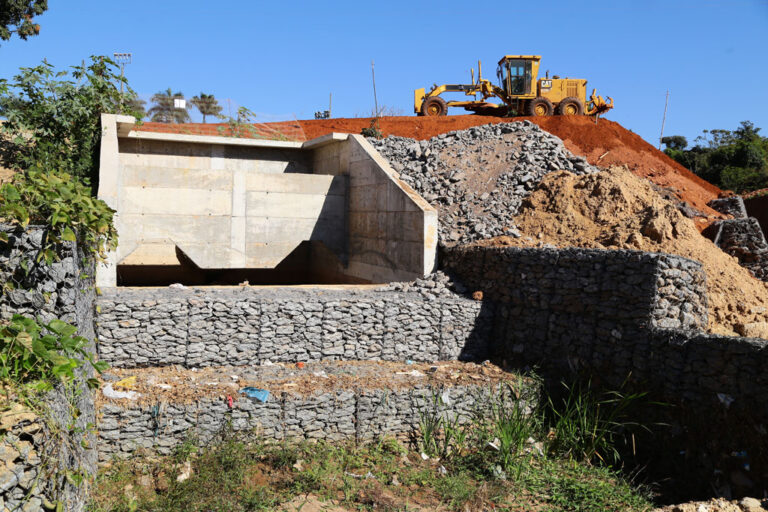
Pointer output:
x,y
615,209
603,143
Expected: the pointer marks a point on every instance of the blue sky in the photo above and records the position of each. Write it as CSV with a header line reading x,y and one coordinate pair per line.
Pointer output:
x,y
282,59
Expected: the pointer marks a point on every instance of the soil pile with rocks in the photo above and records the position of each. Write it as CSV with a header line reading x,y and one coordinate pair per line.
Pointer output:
x,y
717,505
615,209
478,178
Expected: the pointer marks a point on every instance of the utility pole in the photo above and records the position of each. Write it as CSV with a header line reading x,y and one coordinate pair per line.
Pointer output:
x,y
375,100
664,119
330,104
122,59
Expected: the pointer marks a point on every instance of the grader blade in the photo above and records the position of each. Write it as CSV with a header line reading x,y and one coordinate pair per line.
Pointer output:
x,y
597,105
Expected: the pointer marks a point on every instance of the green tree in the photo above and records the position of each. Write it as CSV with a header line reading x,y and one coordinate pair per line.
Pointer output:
x,y
53,119
677,142
207,104
137,106
731,159
164,109
16,17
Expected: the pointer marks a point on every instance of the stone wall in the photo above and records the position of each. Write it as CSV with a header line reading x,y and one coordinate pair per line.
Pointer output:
x,y
743,239
742,236
355,414
197,327
64,290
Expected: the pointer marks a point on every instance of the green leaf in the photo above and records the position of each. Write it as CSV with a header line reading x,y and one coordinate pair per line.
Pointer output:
x,y
68,235
61,328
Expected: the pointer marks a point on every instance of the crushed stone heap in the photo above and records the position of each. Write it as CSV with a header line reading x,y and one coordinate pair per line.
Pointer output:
x,y
478,177
615,209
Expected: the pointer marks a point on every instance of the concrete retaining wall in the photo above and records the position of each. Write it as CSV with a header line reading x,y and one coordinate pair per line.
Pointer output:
x,y
186,203
244,326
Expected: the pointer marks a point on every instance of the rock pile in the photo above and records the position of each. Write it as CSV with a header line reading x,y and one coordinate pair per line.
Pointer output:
x,y
478,177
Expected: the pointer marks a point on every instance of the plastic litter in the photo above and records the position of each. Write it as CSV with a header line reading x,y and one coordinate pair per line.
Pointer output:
x,y
424,456
128,382
442,470
300,365
408,361
725,399
446,397
109,392
412,373
230,402
262,395
178,286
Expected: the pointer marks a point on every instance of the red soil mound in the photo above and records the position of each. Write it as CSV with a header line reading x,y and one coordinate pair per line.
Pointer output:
x,y
604,143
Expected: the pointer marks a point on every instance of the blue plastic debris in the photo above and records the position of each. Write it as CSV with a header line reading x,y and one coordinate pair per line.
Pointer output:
x,y
259,394
408,361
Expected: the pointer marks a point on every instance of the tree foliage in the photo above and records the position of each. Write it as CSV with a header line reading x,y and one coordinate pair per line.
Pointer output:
x,y
53,119
207,104
164,109
736,160
16,17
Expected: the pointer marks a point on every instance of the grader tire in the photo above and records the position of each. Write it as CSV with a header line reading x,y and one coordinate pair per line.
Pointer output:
x,y
539,107
434,106
570,107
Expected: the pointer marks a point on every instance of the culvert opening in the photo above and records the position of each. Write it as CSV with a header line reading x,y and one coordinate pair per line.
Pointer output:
x,y
309,263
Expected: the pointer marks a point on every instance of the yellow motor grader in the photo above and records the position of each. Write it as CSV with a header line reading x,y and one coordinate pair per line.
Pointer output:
x,y
521,92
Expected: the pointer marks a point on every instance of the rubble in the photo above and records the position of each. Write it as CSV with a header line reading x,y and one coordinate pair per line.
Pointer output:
x,y
478,177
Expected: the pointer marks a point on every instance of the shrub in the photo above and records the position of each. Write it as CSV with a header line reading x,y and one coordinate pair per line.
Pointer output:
x,y
53,118
30,355
64,205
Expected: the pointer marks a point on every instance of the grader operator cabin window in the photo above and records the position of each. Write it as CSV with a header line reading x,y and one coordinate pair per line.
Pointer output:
x,y
518,76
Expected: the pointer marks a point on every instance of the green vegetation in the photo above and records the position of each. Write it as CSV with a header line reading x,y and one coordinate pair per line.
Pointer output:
x,y
734,160
53,118
491,461
165,110
36,358
16,17
62,203
207,104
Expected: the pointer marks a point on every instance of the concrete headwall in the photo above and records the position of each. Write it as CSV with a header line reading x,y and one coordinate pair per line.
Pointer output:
x,y
217,203
392,229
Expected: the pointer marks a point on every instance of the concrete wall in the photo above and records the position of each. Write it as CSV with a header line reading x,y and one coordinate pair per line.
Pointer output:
x,y
227,203
392,230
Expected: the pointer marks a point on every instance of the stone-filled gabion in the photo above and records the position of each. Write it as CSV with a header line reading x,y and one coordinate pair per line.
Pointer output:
x,y
356,414
197,327
64,290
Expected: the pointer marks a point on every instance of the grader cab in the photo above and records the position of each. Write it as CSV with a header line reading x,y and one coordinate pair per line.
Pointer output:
x,y
520,91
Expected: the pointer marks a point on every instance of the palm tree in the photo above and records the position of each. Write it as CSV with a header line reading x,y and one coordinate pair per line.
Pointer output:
x,y
164,109
137,106
207,104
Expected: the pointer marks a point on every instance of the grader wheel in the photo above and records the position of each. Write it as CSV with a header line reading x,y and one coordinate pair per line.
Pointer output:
x,y
434,106
539,107
570,107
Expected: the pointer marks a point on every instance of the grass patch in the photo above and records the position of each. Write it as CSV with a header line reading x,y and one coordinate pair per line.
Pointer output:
x,y
237,476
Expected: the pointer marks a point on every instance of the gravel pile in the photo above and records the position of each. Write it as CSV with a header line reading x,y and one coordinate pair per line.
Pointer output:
x,y
478,178
436,284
